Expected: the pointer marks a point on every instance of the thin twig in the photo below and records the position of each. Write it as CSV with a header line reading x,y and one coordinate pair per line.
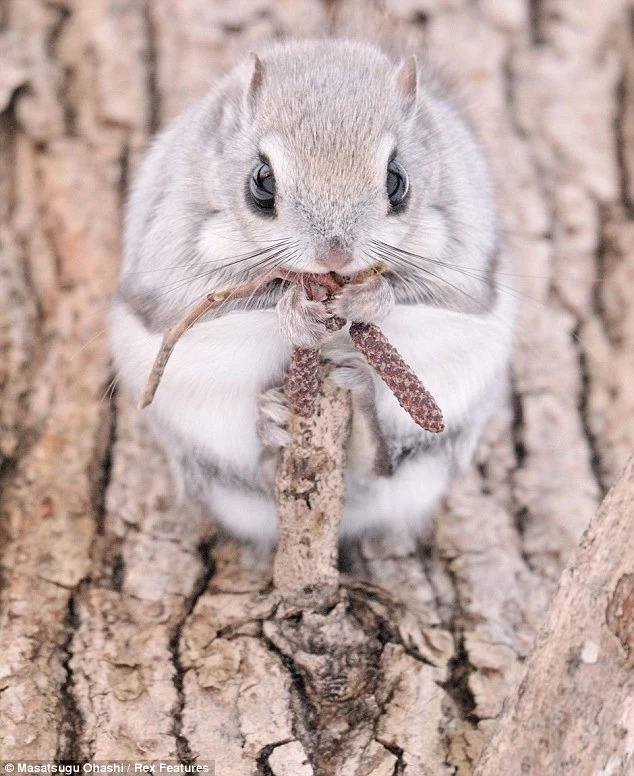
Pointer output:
x,y
174,333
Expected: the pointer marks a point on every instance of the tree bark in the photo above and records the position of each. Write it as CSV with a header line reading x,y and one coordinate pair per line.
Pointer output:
x,y
310,492
574,709
131,629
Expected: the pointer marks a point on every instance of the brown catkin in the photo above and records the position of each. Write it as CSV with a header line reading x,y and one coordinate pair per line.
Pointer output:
x,y
400,378
302,380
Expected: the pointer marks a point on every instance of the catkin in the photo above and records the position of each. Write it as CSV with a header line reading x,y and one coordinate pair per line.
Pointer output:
x,y
400,378
302,381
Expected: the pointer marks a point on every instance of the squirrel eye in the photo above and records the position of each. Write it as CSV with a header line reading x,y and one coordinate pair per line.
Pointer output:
x,y
262,186
397,183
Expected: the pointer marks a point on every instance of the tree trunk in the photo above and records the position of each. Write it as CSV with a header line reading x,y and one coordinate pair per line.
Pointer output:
x,y
574,709
131,630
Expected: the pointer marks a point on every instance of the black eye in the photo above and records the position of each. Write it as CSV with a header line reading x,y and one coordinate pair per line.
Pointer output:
x,y
397,183
262,186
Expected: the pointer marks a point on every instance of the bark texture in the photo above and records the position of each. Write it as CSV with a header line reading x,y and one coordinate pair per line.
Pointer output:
x,y
310,492
132,630
574,710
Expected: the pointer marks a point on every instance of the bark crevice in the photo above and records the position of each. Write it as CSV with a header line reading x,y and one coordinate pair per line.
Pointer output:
x,y
207,572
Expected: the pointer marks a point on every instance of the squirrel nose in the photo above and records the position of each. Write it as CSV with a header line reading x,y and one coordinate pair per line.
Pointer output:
x,y
334,258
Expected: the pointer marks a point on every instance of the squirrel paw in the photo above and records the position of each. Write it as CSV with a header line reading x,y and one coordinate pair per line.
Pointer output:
x,y
302,321
273,418
351,372
366,302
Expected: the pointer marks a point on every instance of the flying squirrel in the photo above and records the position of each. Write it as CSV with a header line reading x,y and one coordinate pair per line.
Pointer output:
x,y
315,156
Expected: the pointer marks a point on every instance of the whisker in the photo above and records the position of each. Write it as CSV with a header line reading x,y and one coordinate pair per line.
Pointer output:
x,y
475,274
395,257
378,243
266,264
238,259
393,254
267,260
223,264
110,389
462,291
427,290
215,312
184,282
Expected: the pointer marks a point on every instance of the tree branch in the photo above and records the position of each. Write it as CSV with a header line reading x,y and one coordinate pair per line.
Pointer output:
x,y
309,491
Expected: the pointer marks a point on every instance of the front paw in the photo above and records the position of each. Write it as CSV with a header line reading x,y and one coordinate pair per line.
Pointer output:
x,y
273,418
351,372
366,302
302,321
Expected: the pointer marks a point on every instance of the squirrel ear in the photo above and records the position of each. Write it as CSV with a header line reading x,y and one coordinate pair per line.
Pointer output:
x,y
407,79
257,78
